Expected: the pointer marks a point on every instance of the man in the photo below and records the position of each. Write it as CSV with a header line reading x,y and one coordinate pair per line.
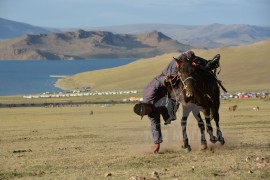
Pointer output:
x,y
157,101
158,98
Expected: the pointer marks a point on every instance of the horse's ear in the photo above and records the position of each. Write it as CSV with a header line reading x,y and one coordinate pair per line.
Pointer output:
x,y
217,57
178,60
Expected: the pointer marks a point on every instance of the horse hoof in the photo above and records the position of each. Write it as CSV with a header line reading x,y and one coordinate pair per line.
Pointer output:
x,y
187,149
222,141
213,140
203,146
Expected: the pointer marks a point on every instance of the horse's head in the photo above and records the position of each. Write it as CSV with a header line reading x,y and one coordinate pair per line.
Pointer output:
x,y
187,81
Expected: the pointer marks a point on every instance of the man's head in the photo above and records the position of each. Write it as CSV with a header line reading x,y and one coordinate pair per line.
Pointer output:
x,y
186,56
190,55
180,58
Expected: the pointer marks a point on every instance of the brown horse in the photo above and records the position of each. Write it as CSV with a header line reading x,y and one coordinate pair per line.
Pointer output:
x,y
233,108
199,87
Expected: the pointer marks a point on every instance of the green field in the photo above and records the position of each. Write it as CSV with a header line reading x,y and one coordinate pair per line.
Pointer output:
x,y
69,143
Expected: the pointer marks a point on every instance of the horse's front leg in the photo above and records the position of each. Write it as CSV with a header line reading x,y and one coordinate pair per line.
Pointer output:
x,y
213,138
186,112
219,133
202,128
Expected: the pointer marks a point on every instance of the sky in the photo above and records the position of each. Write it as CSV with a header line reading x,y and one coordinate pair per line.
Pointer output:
x,y
100,13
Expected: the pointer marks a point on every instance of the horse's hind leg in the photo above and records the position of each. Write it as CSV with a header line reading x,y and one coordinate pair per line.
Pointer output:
x,y
219,133
213,138
202,129
186,112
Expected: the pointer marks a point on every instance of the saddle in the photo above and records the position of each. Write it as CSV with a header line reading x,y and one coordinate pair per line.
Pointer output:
x,y
211,68
214,63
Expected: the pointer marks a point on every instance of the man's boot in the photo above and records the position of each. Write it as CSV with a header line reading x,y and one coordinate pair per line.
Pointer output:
x,y
214,63
171,108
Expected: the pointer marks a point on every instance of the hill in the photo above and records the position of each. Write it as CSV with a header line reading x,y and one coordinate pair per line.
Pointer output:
x,y
208,36
88,44
243,68
11,29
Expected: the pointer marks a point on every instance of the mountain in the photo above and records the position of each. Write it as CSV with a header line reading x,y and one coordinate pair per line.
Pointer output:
x,y
88,44
209,36
243,68
11,29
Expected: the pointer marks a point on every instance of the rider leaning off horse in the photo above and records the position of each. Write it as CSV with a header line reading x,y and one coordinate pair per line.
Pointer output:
x,y
196,61
156,96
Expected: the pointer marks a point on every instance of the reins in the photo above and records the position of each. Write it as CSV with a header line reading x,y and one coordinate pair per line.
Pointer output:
x,y
176,97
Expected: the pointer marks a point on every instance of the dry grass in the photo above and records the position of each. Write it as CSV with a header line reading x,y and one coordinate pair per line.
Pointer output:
x,y
244,68
69,143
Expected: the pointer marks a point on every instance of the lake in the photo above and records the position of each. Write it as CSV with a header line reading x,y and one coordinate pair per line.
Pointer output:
x,y
32,77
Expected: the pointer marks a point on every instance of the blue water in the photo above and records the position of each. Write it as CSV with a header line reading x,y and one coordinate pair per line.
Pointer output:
x,y
31,77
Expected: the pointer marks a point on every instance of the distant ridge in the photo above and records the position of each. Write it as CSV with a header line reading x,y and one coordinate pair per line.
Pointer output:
x,y
208,36
82,44
12,29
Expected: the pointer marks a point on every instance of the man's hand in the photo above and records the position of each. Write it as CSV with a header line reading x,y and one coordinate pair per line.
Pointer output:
x,y
168,78
168,81
171,78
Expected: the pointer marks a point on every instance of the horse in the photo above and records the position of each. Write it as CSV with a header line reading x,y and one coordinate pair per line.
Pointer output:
x,y
199,87
233,108
257,108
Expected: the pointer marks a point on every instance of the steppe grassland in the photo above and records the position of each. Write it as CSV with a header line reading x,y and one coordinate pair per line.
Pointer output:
x,y
70,143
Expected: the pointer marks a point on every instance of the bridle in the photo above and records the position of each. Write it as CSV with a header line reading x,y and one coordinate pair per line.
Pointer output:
x,y
183,81
185,87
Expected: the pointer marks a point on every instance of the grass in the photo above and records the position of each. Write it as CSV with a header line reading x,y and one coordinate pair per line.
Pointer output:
x,y
69,143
